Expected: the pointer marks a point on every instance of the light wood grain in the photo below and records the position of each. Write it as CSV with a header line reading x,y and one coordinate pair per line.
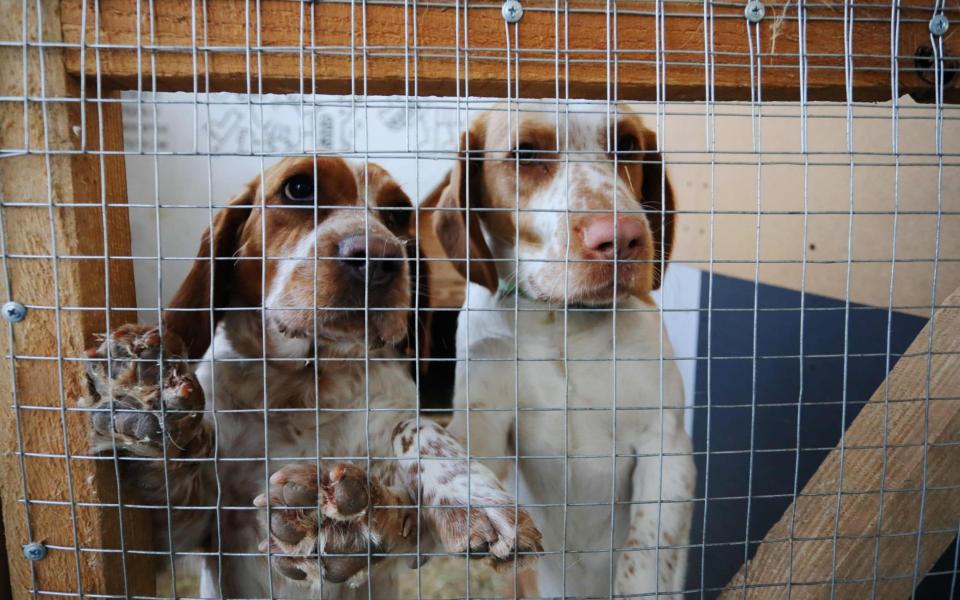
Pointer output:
x,y
904,443
48,182
355,48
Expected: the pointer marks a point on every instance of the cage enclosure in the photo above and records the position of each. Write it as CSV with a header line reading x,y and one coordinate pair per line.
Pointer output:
x,y
812,299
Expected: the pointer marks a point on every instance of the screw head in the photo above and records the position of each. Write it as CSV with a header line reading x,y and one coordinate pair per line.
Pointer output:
x,y
14,312
939,24
512,11
754,11
34,551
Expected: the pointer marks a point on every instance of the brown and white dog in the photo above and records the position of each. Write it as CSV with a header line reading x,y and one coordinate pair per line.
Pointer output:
x,y
569,227
304,402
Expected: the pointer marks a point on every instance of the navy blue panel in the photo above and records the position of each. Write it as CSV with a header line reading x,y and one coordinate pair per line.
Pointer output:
x,y
756,393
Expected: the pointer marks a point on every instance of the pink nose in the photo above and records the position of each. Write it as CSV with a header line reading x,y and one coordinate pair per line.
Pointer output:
x,y
602,239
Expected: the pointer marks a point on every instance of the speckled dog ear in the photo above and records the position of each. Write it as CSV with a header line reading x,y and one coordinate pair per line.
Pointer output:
x,y
656,197
461,191
188,314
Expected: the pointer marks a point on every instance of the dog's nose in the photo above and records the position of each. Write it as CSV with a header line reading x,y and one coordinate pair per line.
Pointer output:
x,y
605,238
385,258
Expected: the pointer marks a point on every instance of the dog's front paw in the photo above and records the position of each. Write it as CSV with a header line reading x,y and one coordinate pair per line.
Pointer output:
x,y
487,523
143,395
332,524
465,505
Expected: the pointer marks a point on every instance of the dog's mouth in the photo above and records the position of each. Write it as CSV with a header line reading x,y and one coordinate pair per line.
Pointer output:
x,y
604,296
597,297
373,328
588,285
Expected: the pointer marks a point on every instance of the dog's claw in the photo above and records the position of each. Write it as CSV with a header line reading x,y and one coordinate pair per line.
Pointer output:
x,y
289,569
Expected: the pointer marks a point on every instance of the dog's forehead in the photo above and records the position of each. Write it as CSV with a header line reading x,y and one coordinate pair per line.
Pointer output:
x,y
374,183
335,174
576,126
352,179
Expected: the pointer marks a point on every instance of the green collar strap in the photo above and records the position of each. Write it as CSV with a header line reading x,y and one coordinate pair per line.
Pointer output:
x,y
508,289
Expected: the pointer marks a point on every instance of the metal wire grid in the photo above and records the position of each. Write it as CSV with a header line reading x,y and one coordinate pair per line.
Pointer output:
x,y
360,103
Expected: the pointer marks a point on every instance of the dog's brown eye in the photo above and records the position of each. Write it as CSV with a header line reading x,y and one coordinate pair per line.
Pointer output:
x,y
627,143
525,152
299,189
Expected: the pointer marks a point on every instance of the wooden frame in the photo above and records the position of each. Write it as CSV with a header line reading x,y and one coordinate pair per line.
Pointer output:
x,y
382,48
377,48
40,223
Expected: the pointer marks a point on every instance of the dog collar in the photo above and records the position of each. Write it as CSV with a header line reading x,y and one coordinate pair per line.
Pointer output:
x,y
506,289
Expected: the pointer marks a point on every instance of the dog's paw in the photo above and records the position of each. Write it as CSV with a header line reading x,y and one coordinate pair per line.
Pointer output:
x,y
134,353
143,397
491,526
465,505
332,524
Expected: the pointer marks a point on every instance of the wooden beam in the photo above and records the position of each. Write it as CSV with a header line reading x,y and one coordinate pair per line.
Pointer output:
x,y
40,378
354,48
903,444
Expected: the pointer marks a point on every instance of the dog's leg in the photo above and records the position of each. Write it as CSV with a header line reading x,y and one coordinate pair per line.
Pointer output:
x,y
527,585
656,506
333,524
149,406
484,414
489,436
464,504
486,419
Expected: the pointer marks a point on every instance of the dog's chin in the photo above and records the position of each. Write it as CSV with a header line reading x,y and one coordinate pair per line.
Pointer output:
x,y
592,288
341,329
599,297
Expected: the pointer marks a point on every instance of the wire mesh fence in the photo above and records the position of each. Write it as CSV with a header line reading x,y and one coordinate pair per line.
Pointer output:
x,y
480,299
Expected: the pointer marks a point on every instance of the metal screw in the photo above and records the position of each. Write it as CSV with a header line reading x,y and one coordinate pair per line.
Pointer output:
x,y
939,24
512,11
34,551
14,312
754,11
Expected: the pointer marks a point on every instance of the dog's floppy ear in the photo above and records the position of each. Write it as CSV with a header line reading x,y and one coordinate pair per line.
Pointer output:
x,y
656,197
456,197
188,314
420,324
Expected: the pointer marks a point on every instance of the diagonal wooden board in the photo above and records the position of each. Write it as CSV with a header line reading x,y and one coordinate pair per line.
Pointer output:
x,y
894,479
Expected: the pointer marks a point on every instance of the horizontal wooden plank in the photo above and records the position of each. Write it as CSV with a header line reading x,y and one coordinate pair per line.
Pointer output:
x,y
438,49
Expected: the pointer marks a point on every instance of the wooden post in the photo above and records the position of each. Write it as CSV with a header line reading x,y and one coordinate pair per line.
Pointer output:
x,y
915,426
43,237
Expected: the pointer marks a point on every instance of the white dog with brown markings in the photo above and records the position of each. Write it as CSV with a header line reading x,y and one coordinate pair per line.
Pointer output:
x,y
304,403
559,287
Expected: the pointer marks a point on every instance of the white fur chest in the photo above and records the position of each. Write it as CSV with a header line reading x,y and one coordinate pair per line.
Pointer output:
x,y
587,360
581,416
291,423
